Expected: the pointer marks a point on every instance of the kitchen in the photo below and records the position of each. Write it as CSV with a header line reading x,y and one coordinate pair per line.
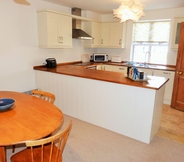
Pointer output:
x,y
19,42
19,46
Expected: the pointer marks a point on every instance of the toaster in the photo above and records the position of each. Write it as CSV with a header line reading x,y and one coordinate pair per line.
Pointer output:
x,y
51,62
116,59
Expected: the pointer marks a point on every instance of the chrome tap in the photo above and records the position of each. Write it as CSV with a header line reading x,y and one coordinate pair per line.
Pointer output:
x,y
147,57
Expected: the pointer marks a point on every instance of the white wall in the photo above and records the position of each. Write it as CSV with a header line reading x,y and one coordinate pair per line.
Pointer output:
x,y
19,50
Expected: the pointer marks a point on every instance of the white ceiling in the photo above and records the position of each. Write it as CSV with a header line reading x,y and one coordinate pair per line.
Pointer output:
x,y
106,6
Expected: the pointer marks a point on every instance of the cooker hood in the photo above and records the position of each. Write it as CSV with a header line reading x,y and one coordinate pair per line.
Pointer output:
x,y
77,32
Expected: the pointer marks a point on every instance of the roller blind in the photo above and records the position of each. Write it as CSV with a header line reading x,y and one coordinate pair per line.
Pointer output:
x,y
156,32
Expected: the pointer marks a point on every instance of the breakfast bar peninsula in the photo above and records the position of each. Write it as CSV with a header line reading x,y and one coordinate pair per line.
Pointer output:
x,y
107,99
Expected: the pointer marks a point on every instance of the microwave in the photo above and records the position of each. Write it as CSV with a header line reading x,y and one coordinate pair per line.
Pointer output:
x,y
99,57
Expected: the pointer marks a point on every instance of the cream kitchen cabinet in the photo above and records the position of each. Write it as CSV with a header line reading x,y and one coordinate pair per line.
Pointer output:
x,y
147,71
122,69
104,67
169,84
93,29
117,35
54,30
105,34
113,35
176,32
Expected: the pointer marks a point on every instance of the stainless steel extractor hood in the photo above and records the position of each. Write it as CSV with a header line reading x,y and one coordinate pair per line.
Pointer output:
x,y
77,32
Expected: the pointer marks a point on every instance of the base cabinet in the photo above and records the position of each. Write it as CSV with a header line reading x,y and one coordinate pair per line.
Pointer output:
x,y
169,84
147,71
54,30
122,69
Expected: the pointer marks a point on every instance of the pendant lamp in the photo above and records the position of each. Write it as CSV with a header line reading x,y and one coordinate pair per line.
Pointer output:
x,y
129,10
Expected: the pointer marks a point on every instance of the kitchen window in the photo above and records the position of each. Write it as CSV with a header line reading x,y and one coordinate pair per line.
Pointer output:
x,y
150,42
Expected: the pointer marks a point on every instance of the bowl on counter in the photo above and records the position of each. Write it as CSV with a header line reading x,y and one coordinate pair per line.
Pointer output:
x,y
6,103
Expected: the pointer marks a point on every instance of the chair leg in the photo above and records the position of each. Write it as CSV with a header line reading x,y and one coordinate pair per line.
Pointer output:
x,y
13,148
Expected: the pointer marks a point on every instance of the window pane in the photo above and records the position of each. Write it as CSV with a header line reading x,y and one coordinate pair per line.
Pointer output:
x,y
139,53
141,31
158,54
150,42
151,31
159,31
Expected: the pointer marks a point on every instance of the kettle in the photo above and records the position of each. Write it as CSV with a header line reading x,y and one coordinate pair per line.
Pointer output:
x,y
51,62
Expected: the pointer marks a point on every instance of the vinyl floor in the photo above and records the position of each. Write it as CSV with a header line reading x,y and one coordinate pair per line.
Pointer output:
x,y
172,124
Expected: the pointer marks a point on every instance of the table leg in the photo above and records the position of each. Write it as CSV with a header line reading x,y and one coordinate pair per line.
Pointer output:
x,y
2,154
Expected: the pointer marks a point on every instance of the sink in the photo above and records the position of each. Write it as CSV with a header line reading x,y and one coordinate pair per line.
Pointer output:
x,y
152,66
84,64
145,65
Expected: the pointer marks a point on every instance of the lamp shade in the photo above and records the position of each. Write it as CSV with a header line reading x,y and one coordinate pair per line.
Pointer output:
x,y
129,10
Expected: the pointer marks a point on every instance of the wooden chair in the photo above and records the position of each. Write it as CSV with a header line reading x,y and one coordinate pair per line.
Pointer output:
x,y
44,150
47,96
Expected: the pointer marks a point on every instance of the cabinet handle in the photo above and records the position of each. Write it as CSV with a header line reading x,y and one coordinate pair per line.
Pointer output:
x,y
101,41
120,42
166,73
121,68
61,39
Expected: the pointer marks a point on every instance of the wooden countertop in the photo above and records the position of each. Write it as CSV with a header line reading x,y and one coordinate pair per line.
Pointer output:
x,y
150,66
109,76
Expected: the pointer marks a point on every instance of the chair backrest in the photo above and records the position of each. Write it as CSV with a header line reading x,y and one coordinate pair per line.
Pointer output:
x,y
47,96
49,149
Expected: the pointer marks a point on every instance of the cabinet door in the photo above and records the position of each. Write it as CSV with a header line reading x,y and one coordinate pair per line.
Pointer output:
x,y
147,71
93,29
65,30
169,84
48,29
122,69
54,30
107,67
99,67
176,33
105,34
117,36
53,24
96,33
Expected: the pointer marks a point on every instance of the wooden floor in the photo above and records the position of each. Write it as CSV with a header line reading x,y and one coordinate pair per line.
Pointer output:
x,y
172,124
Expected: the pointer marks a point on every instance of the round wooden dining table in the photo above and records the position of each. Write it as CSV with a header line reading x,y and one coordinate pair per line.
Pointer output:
x,y
28,119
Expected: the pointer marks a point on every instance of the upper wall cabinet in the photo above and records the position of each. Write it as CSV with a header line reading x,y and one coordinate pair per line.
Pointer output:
x,y
176,32
54,30
106,34
117,35
93,29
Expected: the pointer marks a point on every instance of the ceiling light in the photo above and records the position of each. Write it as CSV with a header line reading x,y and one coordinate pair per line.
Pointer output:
x,y
129,10
23,2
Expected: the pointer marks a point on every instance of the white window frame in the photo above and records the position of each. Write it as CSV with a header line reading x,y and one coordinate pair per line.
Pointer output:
x,y
150,45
